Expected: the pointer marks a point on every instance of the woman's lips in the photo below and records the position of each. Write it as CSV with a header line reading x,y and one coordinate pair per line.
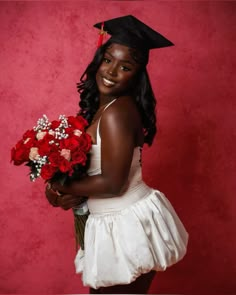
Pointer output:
x,y
107,82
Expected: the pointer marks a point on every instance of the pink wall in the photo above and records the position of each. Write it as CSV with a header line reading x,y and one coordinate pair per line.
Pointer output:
x,y
45,47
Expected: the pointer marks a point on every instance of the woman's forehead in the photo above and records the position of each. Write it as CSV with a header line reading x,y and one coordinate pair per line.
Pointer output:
x,y
117,46
120,50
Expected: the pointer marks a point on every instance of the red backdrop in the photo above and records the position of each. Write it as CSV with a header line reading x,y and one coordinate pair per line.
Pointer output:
x,y
45,47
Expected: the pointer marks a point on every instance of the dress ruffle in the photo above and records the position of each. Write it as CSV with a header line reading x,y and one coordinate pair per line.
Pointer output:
x,y
120,246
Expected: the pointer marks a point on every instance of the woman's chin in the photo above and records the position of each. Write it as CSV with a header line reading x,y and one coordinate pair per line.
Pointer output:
x,y
107,91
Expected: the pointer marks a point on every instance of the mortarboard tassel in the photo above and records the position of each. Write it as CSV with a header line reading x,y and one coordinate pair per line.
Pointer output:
x,y
102,33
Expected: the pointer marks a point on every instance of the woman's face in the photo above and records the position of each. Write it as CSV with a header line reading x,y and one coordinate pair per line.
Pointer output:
x,y
117,72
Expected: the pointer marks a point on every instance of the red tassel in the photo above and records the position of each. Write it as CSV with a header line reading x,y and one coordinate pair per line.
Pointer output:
x,y
101,34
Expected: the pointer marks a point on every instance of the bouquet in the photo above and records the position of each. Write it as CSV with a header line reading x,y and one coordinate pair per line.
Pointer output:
x,y
57,151
54,151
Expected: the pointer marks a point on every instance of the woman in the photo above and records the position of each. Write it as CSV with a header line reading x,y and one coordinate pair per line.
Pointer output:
x,y
132,229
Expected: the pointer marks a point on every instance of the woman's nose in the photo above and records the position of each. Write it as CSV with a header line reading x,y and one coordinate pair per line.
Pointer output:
x,y
112,70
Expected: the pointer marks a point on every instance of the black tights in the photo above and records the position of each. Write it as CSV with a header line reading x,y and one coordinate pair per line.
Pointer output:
x,y
139,286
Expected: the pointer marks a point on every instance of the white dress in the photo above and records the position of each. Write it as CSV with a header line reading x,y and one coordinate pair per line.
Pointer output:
x,y
130,234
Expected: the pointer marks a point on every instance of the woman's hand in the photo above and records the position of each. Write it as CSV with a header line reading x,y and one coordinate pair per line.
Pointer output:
x,y
59,188
65,201
51,195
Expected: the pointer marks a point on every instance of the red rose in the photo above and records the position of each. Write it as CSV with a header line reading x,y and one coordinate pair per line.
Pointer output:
x,y
64,165
69,130
85,142
20,153
55,124
29,142
17,156
77,122
48,137
29,134
78,157
70,143
55,158
44,148
47,171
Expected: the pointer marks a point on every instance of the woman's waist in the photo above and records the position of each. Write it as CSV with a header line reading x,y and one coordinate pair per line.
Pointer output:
x,y
95,168
116,203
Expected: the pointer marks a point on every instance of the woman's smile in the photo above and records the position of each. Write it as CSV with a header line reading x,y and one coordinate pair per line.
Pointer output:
x,y
108,82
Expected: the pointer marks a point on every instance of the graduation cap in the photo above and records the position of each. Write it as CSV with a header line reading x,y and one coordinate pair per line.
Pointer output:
x,y
130,31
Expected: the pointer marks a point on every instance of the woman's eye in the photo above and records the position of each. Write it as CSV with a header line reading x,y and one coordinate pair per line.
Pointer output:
x,y
106,60
125,69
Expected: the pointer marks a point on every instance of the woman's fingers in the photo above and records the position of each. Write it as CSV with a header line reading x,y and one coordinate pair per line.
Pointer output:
x,y
65,201
57,187
68,201
51,196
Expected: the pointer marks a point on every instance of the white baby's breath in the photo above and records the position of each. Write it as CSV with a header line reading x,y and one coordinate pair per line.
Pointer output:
x,y
42,124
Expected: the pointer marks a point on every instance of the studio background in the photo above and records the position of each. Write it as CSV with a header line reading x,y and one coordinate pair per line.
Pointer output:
x,y
45,47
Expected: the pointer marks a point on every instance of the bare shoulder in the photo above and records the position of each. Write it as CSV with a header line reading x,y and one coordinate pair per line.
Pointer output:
x,y
123,108
121,122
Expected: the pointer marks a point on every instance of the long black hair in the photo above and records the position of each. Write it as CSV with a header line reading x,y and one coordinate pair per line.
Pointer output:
x,y
143,93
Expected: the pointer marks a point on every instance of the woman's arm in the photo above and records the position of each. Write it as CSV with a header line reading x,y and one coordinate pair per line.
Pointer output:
x,y
118,131
64,201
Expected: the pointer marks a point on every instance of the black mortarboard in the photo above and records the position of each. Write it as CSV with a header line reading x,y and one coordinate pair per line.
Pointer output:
x,y
128,30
